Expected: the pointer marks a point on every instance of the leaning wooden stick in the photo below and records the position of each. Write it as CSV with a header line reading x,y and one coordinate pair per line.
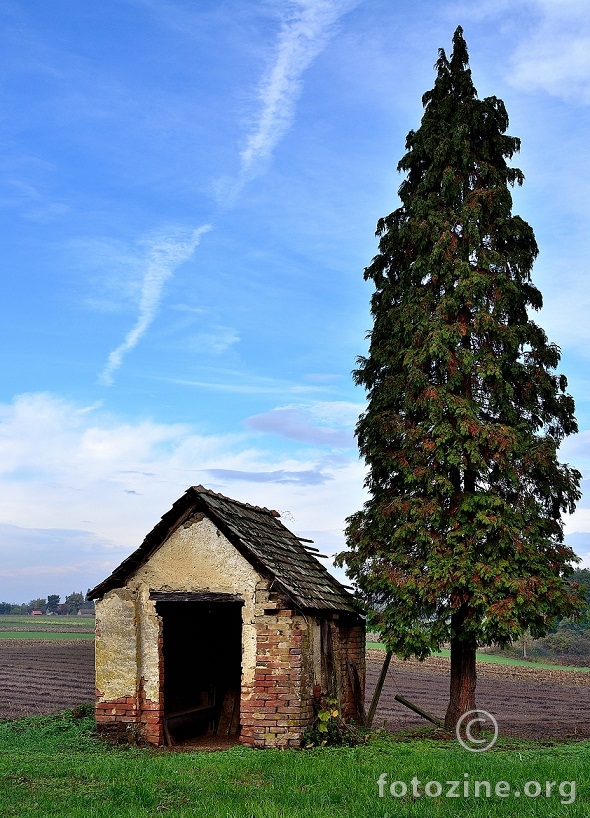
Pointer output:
x,y
419,711
379,687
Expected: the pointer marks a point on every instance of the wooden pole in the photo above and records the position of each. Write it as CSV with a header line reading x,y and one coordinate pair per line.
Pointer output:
x,y
419,711
378,688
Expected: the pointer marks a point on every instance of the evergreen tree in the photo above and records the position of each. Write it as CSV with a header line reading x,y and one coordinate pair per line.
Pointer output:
x,y
53,602
461,539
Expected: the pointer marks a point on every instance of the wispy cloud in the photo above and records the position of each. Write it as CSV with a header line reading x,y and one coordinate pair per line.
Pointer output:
x,y
555,58
308,424
309,477
241,383
166,253
306,28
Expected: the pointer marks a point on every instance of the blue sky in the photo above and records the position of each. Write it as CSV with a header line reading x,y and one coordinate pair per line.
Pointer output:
x,y
189,194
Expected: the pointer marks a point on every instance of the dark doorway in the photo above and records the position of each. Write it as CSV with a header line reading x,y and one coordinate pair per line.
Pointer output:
x,y
202,654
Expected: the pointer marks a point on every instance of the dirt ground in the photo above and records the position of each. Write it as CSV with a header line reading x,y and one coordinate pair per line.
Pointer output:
x,y
45,677
526,702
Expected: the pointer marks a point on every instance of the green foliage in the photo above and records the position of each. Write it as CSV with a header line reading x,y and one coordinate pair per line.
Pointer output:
x,y
74,601
329,728
53,602
462,535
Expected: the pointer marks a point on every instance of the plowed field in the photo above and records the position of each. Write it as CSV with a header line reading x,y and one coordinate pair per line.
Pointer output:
x,y
526,702
45,677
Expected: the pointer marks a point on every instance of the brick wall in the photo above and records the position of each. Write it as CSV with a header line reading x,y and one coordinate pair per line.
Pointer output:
x,y
277,705
277,708
116,719
350,645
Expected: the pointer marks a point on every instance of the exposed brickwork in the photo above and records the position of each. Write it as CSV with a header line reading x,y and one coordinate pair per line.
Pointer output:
x,y
151,715
350,645
116,719
278,707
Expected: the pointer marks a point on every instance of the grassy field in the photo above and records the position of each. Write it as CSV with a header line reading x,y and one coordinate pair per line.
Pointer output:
x,y
500,660
45,635
46,627
53,766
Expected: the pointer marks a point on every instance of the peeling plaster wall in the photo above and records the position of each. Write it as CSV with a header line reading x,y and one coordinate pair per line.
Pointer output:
x,y
116,645
196,557
315,638
148,632
284,652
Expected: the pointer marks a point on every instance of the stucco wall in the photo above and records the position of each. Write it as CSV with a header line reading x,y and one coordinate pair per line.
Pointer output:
x,y
284,652
116,646
196,557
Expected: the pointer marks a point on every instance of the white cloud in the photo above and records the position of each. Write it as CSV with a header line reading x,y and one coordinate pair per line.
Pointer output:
x,y
79,488
165,254
30,201
311,423
306,28
555,57
214,341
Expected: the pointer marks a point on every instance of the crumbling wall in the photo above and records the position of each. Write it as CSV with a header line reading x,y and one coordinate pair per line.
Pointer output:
x,y
349,649
117,679
284,652
198,557
277,706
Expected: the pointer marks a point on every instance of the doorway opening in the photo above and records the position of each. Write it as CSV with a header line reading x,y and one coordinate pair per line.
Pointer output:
x,y
202,656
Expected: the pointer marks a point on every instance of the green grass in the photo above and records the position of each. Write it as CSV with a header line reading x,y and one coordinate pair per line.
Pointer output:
x,y
500,660
44,635
18,622
46,627
53,766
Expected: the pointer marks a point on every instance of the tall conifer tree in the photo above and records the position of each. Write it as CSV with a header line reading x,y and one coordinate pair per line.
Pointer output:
x,y
461,539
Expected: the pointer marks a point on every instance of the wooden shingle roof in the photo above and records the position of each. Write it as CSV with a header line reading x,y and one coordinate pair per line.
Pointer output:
x,y
259,535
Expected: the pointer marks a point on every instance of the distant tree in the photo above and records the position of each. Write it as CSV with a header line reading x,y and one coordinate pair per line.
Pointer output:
x,y
5,607
461,539
37,605
581,624
582,577
53,602
88,603
74,601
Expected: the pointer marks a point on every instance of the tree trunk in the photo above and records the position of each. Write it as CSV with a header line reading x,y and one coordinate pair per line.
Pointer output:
x,y
463,680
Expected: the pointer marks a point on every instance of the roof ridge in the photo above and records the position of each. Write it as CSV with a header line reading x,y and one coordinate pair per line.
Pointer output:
x,y
200,489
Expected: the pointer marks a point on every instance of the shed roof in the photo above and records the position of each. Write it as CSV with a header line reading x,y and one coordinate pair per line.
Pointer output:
x,y
260,537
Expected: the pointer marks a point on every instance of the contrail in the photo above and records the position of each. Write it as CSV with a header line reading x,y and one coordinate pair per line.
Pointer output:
x,y
165,255
306,29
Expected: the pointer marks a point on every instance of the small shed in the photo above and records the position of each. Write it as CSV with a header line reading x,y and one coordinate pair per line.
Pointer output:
x,y
224,622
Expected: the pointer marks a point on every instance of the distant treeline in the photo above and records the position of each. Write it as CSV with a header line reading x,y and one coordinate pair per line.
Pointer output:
x,y
73,603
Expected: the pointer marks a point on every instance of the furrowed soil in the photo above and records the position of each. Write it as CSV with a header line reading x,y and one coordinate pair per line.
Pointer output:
x,y
527,702
38,677
46,677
